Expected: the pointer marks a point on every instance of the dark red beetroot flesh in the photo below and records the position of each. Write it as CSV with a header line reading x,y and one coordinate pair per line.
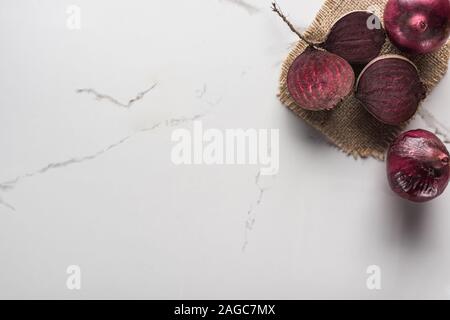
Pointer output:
x,y
390,89
352,39
319,80
418,26
357,36
418,166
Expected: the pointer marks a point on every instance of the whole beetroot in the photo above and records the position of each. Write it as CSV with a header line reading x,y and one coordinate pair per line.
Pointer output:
x,y
319,80
389,88
418,166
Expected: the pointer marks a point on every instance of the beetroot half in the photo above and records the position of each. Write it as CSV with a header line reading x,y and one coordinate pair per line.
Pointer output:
x,y
389,87
319,80
418,166
353,38
418,26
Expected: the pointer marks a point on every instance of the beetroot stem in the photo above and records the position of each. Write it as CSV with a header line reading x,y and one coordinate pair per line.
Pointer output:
x,y
277,10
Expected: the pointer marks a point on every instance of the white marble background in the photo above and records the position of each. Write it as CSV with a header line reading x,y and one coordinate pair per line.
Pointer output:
x,y
98,191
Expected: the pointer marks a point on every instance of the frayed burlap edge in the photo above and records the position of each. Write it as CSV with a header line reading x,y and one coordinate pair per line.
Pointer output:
x,y
349,126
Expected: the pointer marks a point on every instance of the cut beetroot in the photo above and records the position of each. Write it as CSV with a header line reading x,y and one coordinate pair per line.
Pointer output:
x,y
355,39
418,166
389,87
319,80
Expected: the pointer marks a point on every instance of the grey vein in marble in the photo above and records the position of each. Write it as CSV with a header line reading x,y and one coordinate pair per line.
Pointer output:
x,y
438,127
251,213
172,122
251,9
6,204
7,185
56,165
128,105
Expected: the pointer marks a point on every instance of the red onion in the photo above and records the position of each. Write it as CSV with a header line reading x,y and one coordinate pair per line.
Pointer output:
x,y
389,87
418,26
418,166
319,80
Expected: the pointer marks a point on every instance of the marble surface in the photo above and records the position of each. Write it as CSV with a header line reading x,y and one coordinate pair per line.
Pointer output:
x,y
87,177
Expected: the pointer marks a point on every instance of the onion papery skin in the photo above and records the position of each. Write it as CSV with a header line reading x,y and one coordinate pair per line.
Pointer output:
x,y
319,80
418,166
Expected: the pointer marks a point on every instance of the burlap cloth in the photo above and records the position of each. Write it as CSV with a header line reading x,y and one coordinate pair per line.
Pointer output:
x,y
349,126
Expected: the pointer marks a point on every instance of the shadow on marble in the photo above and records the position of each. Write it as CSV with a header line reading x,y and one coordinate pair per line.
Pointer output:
x,y
307,134
412,218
